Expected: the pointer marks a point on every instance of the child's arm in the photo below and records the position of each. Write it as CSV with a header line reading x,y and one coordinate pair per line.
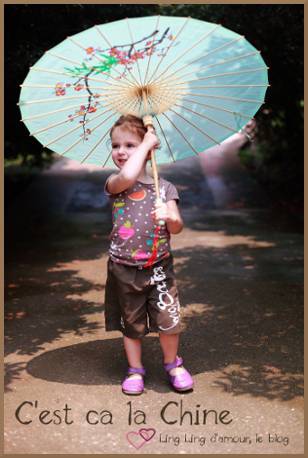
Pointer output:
x,y
133,166
169,213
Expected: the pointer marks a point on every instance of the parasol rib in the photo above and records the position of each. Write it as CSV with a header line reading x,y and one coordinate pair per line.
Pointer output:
x,y
74,129
67,120
150,55
111,97
63,99
196,127
80,139
232,59
100,140
215,107
59,56
164,135
223,97
52,99
252,70
226,61
78,63
138,66
90,78
52,86
182,135
206,117
98,58
168,82
106,160
203,37
50,126
204,56
115,106
229,85
47,113
168,48
78,127
109,44
95,146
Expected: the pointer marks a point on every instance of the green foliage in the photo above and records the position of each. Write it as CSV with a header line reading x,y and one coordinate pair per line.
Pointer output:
x,y
104,66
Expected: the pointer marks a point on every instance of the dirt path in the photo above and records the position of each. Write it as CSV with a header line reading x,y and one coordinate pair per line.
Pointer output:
x,y
240,275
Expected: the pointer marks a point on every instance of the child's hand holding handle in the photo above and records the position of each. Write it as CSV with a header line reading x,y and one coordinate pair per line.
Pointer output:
x,y
160,214
151,139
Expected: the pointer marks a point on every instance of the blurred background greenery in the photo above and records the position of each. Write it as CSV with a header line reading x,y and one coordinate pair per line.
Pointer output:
x,y
276,158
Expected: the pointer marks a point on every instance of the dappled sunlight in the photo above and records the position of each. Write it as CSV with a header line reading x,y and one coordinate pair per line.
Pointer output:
x,y
241,319
88,269
239,281
217,239
258,380
66,303
195,311
12,372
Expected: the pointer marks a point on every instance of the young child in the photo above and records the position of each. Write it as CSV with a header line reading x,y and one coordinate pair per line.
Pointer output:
x,y
141,294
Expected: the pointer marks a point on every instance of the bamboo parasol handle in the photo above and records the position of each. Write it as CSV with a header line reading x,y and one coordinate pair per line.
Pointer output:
x,y
148,122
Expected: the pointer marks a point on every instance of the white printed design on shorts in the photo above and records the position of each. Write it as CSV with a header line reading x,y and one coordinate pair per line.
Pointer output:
x,y
166,301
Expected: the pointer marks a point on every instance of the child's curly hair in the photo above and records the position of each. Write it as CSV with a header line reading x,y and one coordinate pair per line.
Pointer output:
x,y
131,123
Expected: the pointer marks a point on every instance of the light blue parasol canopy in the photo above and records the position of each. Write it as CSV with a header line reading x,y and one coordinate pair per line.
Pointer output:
x,y
199,81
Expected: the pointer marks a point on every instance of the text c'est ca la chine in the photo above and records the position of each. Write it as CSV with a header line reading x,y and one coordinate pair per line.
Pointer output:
x,y
172,413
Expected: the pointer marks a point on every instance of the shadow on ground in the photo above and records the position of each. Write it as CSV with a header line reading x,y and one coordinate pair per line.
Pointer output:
x,y
242,324
240,289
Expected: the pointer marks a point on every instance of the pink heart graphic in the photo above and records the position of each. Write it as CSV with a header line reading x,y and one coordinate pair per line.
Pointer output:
x,y
135,439
147,433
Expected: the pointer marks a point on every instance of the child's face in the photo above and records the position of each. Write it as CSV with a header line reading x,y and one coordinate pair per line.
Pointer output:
x,y
124,144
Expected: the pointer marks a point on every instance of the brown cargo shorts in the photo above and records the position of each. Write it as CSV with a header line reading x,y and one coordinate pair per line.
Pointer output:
x,y
142,300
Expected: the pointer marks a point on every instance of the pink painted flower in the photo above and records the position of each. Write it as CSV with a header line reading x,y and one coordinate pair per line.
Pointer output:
x,y
60,89
138,55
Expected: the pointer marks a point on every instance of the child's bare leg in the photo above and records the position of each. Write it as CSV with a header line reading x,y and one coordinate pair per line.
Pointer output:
x,y
170,344
133,352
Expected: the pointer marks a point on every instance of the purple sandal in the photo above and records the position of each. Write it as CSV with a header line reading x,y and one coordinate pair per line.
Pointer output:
x,y
133,385
180,382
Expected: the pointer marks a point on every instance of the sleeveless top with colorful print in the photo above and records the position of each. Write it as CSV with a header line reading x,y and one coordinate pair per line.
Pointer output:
x,y
135,239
